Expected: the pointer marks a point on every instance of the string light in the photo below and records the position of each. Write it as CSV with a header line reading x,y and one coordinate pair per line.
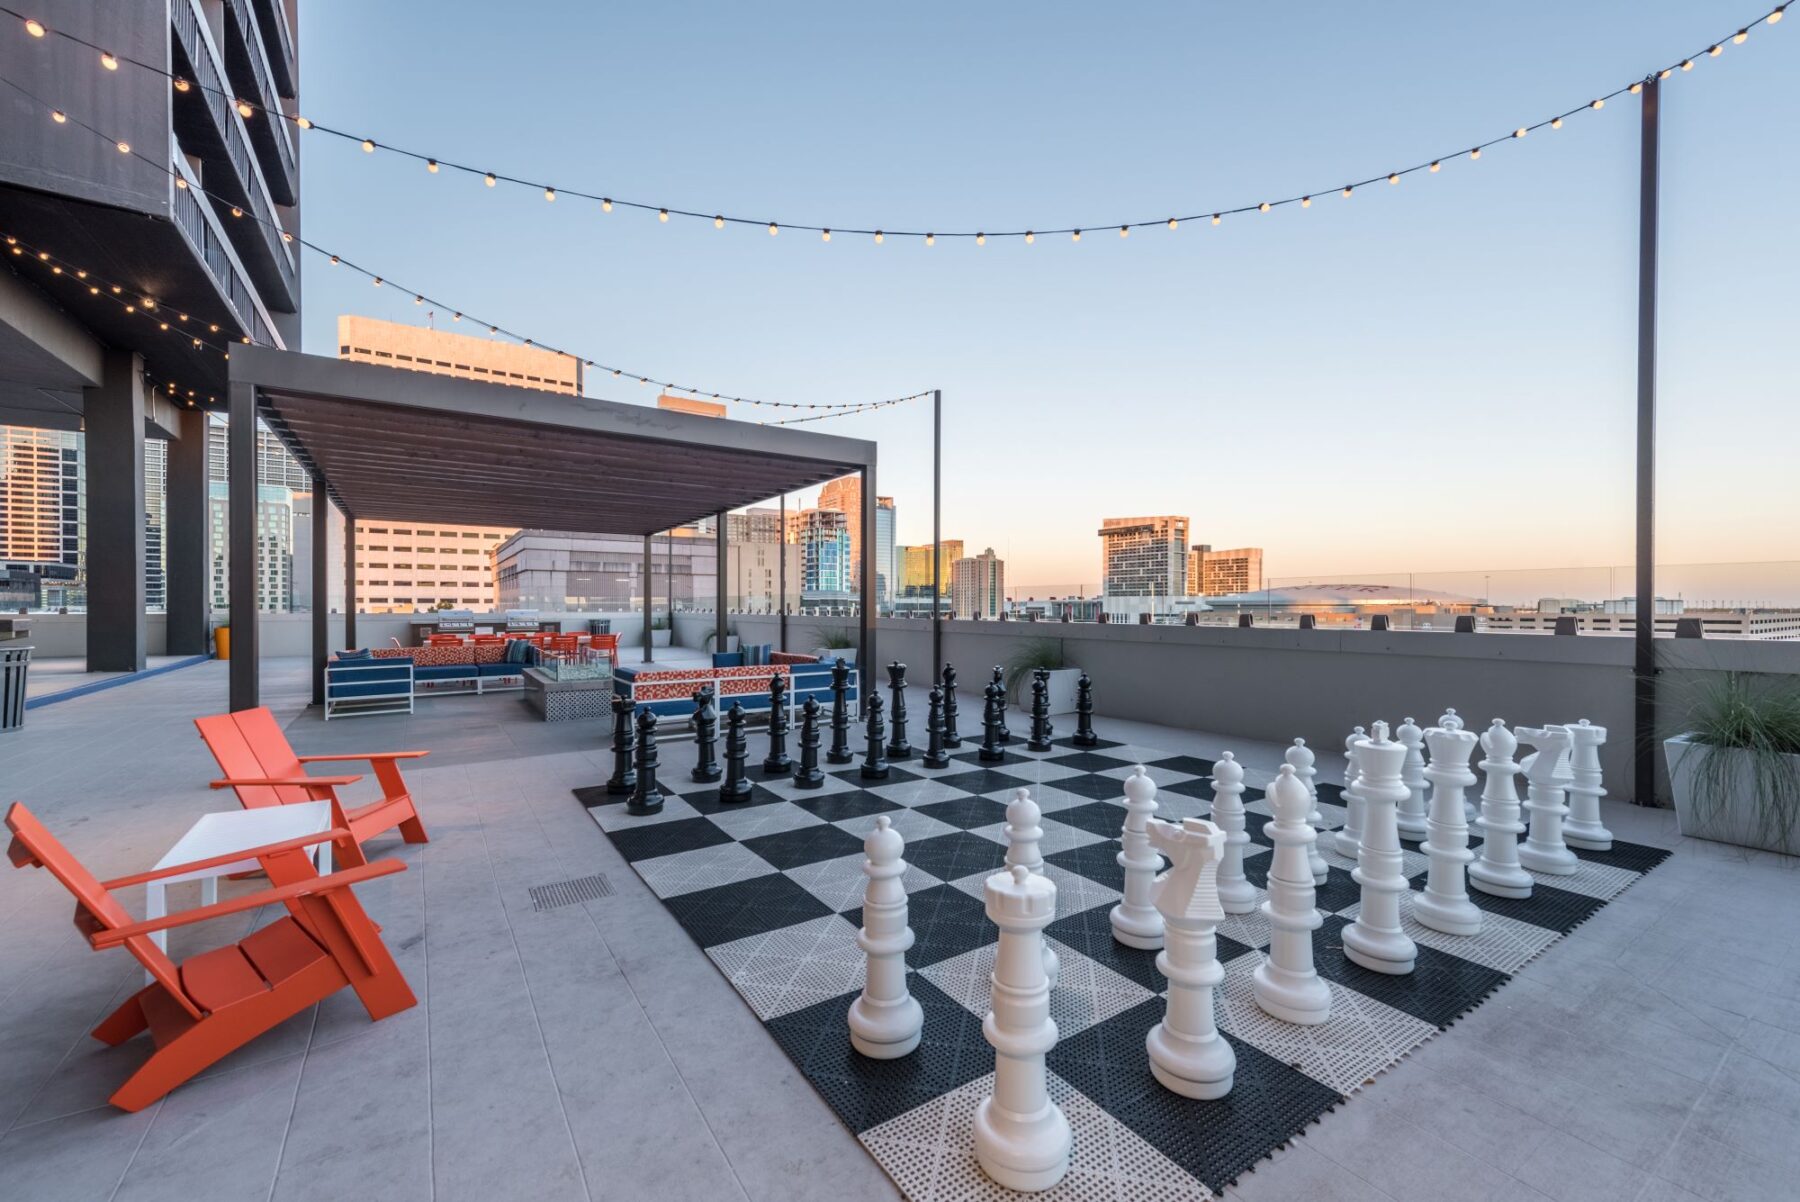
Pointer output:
x,y
605,204
368,146
109,60
1305,203
981,238
1475,153
1173,223
1556,124
245,110
302,122
124,147
60,117
489,179
1263,207
930,239
878,238
824,235
1774,18
1737,39
1434,166
1124,231
1076,236
431,165
34,27
550,195
182,85
1348,190
1216,219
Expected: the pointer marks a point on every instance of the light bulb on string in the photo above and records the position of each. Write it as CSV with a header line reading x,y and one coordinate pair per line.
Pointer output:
x,y
1636,88
878,238
124,147
109,60
1737,39
378,281
1715,51
930,239
1124,231
1775,17
1216,219
775,229
489,179
302,122
35,27
1173,224
1556,123
981,239
182,85
1520,132
58,116
1599,103
718,222
1348,190
1075,237
1435,164
550,195
1665,73
245,109
1306,202
368,145
1687,64
1475,153
1263,207
824,235
431,165
1393,177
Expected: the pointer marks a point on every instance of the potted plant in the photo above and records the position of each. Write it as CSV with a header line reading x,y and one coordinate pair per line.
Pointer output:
x,y
660,631
710,643
1031,655
1735,774
835,644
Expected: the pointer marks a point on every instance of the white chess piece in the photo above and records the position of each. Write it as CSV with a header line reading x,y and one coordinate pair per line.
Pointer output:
x,y
1024,832
1497,872
1135,922
1410,815
1444,904
1187,1053
1301,757
1287,985
1584,829
886,1020
1349,836
1449,721
1375,940
1022,1139
1544,850
1236,894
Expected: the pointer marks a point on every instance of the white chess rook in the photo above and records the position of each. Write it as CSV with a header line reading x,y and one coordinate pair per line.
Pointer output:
x,y
1287,985
1301,757
1544,850
1135,921
1584,829
1444,905
1022,1139
1497,872
1375,940
1411,814
1349,836
1236,894
1187,1053
886,1021
1024,833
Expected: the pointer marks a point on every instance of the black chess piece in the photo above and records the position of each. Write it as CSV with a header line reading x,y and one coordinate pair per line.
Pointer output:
x,y
991,751
1000,713
875,765
1041,729
935,756
736,786
951,738
624,748
706,736
777,763
646,798
840,752
897,747
1084,714
806,772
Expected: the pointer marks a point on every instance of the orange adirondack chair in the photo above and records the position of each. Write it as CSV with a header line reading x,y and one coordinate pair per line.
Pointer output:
x,y
213,1003
263,770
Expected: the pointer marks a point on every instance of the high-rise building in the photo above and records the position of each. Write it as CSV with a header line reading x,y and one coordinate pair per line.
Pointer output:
x,y
978,586
845,495
825,556
279,477
1213,573
42,501
754,572
915,567
1143,557
445,353
156,521
753,526
886,578
555,570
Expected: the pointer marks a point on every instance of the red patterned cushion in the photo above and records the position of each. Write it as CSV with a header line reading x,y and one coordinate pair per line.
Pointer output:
x,y
490,653
437,657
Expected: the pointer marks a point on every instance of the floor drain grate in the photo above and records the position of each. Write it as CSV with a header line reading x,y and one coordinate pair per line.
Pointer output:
x,y
567,893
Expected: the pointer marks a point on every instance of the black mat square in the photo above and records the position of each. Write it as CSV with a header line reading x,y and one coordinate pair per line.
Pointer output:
x,y
1200,787
1557,909
1085,761
666,838
953,857
835,807
1090,933
1438,989
1096,745
853,771
1339,890
1096,818
980,780
965,813
1097,788
706,798
753,907
945,921
1192,764
807,845
1634,856
1097,862
596,795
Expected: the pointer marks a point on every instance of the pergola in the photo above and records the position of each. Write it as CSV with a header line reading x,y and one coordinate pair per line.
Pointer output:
x,y
388,444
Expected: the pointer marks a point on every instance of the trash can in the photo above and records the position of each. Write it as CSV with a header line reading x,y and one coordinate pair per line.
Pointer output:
x,y
222,642
14,663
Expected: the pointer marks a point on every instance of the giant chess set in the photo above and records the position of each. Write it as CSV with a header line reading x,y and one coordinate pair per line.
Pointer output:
x,y
1023,962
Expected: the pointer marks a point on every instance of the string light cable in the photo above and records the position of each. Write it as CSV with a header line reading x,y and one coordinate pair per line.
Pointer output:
x,y
435,164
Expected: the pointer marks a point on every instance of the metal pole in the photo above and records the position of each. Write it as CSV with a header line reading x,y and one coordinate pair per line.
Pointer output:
x,y
937,533
649,591
321,594
720,586
1644,661
781,579
349,578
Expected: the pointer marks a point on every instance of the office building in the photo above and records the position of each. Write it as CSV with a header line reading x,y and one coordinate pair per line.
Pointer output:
x,y
978,586
280,479
43,498
553,570
1212,573
448,353
915,567
754,575
885,576
1144,557
824,539
688,404
756,525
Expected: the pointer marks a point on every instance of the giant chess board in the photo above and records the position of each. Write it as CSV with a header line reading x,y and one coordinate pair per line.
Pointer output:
x,y
772,890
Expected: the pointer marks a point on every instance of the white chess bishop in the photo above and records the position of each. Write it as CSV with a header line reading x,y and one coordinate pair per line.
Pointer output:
x,y
1024,834
1584,829
1236,894
1375,940
1135,921
1444,904
1301,757
1497,872
1410,815
1544,850
1349,836
1187,1053
1287,985
886,1021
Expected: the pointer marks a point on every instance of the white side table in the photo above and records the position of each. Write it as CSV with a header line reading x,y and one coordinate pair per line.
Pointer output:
x,y
230,831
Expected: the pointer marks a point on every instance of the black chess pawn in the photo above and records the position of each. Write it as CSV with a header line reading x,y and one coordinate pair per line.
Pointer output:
x,y
706,736
897,747
806,772
1041,729
646,798
991,751
1000,713
951,738
777,763
624,748
875,765
1084,714
736,786
935,756
840,752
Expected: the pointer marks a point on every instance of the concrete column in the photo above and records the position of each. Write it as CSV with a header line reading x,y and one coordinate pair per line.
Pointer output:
x,y
241,538
117,634
187,549
321,598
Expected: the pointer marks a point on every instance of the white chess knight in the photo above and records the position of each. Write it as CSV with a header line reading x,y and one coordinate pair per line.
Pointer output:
x,y
1024,832
1287,984
1584,829
1375,940
1349,836
1544,850
1497,872
1236,894
1301,757
1444,904
1187,1053
1410,815
1135,921
886,1021
1022,1139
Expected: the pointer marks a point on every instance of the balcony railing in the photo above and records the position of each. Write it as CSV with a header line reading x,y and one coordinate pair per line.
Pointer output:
x,y
252,79
278,39
194,216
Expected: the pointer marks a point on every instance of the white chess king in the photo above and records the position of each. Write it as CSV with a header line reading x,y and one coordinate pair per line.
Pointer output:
x,y
1444,904
886,1021
1187,1053
1287,984
1497,872
1376,940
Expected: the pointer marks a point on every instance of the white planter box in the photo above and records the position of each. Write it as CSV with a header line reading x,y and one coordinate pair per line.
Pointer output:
x,y
1736,820
660,638
1062,691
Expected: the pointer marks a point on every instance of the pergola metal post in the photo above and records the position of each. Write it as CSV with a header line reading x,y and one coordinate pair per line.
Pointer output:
x,y
1644,659
241,511
781,581
649,592
669,585
866,665
321,609
719,586
349,578
937,533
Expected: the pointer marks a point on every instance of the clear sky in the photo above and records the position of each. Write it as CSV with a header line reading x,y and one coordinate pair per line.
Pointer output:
x,y
1435,375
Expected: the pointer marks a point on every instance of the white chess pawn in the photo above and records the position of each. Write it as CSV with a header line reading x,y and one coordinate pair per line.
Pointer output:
x,y
1584,829
1024,832
1497,872
886,1020
1236,894
1301,757
1187,1053
1410,815
1135,921
1444,905
1349,836
1544,850
1022,1139
1287,985
1375,940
